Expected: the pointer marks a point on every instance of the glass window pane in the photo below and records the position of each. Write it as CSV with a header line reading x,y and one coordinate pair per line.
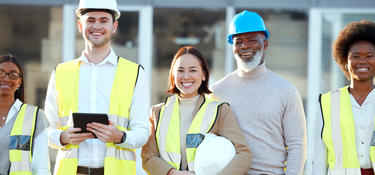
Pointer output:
x,y
33,35
174,28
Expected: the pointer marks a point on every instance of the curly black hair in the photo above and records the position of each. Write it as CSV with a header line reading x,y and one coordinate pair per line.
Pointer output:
x,y
353,32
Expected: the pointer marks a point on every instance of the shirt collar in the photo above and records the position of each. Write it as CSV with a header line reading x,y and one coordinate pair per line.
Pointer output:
x,y
111,58
14,109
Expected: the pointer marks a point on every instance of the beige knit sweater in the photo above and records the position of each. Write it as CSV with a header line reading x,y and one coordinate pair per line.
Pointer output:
x,y
270,113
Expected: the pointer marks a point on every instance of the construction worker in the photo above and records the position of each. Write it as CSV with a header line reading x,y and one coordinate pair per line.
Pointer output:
x,y
269,109
343,141
97,82
23,128
178,125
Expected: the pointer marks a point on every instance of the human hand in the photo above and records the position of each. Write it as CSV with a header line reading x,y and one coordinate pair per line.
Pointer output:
x,y
176,172
70,136
106,133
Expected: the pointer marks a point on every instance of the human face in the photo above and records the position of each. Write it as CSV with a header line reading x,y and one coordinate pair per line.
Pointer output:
x,y
188,75
97,28
361,61
248,49
7,85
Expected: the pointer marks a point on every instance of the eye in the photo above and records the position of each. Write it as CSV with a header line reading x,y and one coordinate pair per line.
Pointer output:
x,y
104,20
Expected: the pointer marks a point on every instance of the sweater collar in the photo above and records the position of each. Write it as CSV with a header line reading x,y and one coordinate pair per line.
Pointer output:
x,y
255,73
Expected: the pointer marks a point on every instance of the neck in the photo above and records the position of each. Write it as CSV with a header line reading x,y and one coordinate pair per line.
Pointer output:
x,y
96,55
6,102
361,87
360,90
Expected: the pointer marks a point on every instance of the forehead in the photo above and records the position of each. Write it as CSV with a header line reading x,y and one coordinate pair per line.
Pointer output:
x,y
96,14
9,66
249,35
187,60
362,45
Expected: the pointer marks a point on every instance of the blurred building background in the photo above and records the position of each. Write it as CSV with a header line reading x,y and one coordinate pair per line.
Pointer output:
x,y
42,33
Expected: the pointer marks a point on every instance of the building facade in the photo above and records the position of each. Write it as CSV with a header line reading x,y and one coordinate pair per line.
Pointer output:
x,y
43,33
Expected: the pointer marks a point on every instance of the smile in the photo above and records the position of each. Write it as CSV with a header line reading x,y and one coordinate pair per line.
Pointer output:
x,y
187,85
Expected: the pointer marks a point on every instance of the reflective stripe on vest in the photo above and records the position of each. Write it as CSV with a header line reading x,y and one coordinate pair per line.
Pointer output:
x,y
341,149
117,160
168,130
21,141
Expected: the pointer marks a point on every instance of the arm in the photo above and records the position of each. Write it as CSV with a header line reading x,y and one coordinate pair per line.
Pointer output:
x,y
151,161
319,150
51,109
57,138
40,164
139,127
228,127
294,126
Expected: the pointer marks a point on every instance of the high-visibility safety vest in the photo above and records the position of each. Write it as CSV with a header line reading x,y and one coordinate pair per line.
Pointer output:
x,y
339,134
21,141
168,130
117,160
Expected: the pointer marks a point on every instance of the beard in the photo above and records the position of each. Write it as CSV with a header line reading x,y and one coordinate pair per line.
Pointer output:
x,y
251,64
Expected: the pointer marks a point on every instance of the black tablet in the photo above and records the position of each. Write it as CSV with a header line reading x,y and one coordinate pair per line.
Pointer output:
x,y
80,120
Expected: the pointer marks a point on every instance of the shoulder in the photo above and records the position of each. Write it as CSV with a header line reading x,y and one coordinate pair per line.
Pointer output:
x,y
223,82
155,110
281,83
128,62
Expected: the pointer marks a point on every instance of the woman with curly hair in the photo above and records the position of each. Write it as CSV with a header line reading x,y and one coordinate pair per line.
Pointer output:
x,y
345,142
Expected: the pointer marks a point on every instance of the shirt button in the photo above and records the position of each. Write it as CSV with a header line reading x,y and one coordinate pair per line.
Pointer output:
x,y
363,142
361,156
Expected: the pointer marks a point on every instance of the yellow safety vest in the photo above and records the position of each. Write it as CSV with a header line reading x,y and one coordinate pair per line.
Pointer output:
x,y
168,130
117,160
21,141
339,134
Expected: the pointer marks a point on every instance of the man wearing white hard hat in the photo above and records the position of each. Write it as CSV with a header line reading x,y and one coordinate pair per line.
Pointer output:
x,y
268,108
98,81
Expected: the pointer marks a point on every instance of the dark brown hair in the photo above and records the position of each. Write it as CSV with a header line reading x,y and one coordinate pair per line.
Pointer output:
x,y
20,92
352,33
203,89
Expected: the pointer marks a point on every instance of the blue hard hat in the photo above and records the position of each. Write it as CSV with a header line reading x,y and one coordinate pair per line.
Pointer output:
x,y
244,22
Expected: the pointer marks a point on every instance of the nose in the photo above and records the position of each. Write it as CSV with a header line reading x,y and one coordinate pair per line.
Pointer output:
x,y
96,25
362,59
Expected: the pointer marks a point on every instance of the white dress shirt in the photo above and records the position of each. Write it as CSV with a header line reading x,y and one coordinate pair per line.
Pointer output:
x,y
364,128
95,85
40,162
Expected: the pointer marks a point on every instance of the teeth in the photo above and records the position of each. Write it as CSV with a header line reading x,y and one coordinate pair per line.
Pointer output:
x,y
187,84
4,86
95,33
247,54
362,69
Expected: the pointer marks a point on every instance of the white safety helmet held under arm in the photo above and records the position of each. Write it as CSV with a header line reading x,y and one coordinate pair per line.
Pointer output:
x,y
98,4
213,155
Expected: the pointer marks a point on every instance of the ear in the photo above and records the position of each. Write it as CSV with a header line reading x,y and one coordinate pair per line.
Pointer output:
x,y
265,43
79,26
115,25
19,82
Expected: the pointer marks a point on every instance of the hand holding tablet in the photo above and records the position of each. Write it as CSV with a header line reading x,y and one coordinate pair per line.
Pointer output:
x,y
81,120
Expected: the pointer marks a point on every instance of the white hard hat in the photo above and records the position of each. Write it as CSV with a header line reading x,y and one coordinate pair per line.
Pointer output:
x,y
213,155
98,4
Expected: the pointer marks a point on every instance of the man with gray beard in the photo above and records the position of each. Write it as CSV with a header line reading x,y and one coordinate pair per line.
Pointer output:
x,y
267,107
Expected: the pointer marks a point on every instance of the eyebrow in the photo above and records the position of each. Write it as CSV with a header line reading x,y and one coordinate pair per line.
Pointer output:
x,y
104,17
189,67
